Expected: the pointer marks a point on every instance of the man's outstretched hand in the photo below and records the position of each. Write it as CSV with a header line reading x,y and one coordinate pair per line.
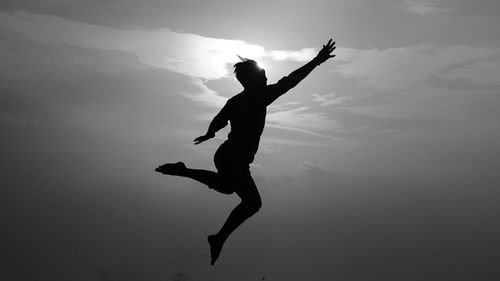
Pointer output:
x,y
325,53
201,139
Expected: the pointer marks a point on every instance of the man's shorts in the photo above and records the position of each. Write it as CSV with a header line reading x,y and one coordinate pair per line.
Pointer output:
x,y
233,168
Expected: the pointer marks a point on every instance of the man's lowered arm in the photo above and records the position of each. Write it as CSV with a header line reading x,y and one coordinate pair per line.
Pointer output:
x,y
220,121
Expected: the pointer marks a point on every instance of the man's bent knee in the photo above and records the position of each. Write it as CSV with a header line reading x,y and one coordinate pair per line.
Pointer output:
x,y
252,205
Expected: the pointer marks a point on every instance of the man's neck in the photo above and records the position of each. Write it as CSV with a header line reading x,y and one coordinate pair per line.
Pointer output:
x,y
256,87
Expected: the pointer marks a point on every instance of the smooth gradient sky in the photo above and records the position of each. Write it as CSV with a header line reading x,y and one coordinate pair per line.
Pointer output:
x,y
381,165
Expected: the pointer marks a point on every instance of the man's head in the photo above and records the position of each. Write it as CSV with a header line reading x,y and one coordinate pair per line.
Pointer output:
x,y
250,74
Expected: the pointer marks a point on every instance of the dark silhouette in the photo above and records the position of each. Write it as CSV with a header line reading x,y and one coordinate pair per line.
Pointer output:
x,y
246,112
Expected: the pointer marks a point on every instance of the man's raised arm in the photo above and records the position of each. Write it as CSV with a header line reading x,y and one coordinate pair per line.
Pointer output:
x,y
299,74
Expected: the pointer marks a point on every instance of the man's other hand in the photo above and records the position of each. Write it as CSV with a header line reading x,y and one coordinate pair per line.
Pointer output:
x,y
201,139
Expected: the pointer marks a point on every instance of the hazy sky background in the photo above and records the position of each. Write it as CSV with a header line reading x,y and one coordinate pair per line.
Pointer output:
x,y
381,165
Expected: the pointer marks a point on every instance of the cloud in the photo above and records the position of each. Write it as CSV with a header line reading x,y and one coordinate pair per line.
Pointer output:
x,y
272,144
201,58
186,53
484,72
311,169
405,88
397,69
303,55
328,99
424,7
298,120
205,95
376,72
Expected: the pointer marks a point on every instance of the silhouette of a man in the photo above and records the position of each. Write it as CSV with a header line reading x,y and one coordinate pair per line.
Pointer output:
x,y
246,112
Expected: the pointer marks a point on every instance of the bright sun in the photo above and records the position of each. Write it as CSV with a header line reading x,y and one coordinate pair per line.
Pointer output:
x,y
261,65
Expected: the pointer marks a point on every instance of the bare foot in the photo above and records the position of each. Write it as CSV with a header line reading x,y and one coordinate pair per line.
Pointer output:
x,y
215,248
172,168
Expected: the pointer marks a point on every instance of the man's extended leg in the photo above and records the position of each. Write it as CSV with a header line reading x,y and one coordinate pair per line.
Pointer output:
x,y
206,177
212,179
249,205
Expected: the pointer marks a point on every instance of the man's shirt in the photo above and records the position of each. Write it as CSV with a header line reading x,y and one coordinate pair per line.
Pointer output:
x,y
246,112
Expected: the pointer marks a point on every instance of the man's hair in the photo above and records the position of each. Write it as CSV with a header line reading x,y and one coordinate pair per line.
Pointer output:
x,y
246,70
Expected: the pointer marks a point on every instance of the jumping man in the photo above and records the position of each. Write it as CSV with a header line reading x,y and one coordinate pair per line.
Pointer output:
x,y
246,112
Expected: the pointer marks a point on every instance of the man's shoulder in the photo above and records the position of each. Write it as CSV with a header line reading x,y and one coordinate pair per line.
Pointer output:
x,y
237,96
240,97
234,100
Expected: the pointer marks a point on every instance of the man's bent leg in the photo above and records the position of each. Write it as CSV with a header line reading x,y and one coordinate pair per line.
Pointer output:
x,y
249,205
206,177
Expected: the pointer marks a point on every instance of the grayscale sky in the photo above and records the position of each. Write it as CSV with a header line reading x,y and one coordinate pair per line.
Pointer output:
x,y
381,165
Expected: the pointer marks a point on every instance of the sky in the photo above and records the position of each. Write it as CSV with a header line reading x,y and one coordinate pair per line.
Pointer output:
x,y
381,165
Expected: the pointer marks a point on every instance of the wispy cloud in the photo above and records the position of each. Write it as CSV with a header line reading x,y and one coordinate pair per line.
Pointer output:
x,y
483,72
279,141
328,99
306,120
201,58
397,69
305,54
205,95
424,7
311,169
419,82
273,143
301,120
186,53
375,71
